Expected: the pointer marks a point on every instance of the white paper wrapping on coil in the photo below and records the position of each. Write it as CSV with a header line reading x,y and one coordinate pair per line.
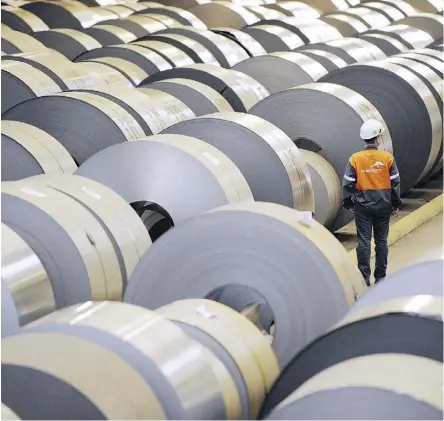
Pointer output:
x,y
197,51
8,414
246,41
274,38
326,187
183,175
251,362
220,13
22,20
254,144
240,90
421,279
282,70
20,43
201,99
413,38
380,386
101,74
124,228
70,242
117,335
415,116
26,291
227,52
28,151
299,111
277,252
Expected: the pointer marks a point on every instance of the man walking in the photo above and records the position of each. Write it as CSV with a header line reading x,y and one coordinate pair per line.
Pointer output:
x,y
371,189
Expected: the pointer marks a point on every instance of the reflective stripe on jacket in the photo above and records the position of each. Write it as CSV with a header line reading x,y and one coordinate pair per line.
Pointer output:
x,y
371,182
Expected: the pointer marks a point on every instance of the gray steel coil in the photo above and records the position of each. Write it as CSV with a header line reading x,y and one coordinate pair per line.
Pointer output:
x,y
298,112
428,22
29,151
22,20
412,37
14,42
184,17
259,240
254,144
274,38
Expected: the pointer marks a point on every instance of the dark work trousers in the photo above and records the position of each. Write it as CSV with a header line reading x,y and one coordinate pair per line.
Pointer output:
x,y
364,226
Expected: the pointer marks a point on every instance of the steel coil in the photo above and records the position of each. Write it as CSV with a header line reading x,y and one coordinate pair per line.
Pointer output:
x,y
299,111
149,24
326,188
166,21
176,57
201,99
100,74
283,70
8,414
402,328
184,17
402,5
258,240
28,151
26,291
428,6
109,34
329,61
196,177
240,90
264,13
428,22
390,46
433,63
193,49
14,42
369,17
133,27
412,37
117,336
391,12
22,20
274,38
148,60
120,10
246,41
430,52
219,13
254,144
421,279
227,52
409,109
296,9
347,25
72,245
327,6
251,361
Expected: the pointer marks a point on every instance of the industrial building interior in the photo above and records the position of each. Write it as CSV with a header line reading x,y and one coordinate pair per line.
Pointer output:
x,y
185,215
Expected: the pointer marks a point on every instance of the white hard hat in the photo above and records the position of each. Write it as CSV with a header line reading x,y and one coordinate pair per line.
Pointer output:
x,y
371,129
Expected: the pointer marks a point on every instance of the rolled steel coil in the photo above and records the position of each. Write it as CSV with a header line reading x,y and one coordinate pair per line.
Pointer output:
x,y
201,99
258,240
329,61
121,10
165,20
227,52
118,115
408,328
73,15
299,111
254,144
133,27
402,5
296,9
194,49
132,71
428,6
274,38
437,45
71,243
421,279
264,13
327,6
110,34
389,45
219,13
390,11
347,25
26,291
14,42
390,87
184,17
240,90
176,57
413,38
251,361
148,60
112,342
326,188
149,24
22,20
369,17
428,22
101,74
8,414
29,151
430,52
197,177
70,42
282,70
246,41
21,82
433,63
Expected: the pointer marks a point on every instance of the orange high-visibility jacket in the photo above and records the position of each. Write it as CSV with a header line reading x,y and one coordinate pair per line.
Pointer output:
x,y
371,182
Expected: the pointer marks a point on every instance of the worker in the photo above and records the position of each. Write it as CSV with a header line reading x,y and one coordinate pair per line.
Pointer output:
x,y
371,190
